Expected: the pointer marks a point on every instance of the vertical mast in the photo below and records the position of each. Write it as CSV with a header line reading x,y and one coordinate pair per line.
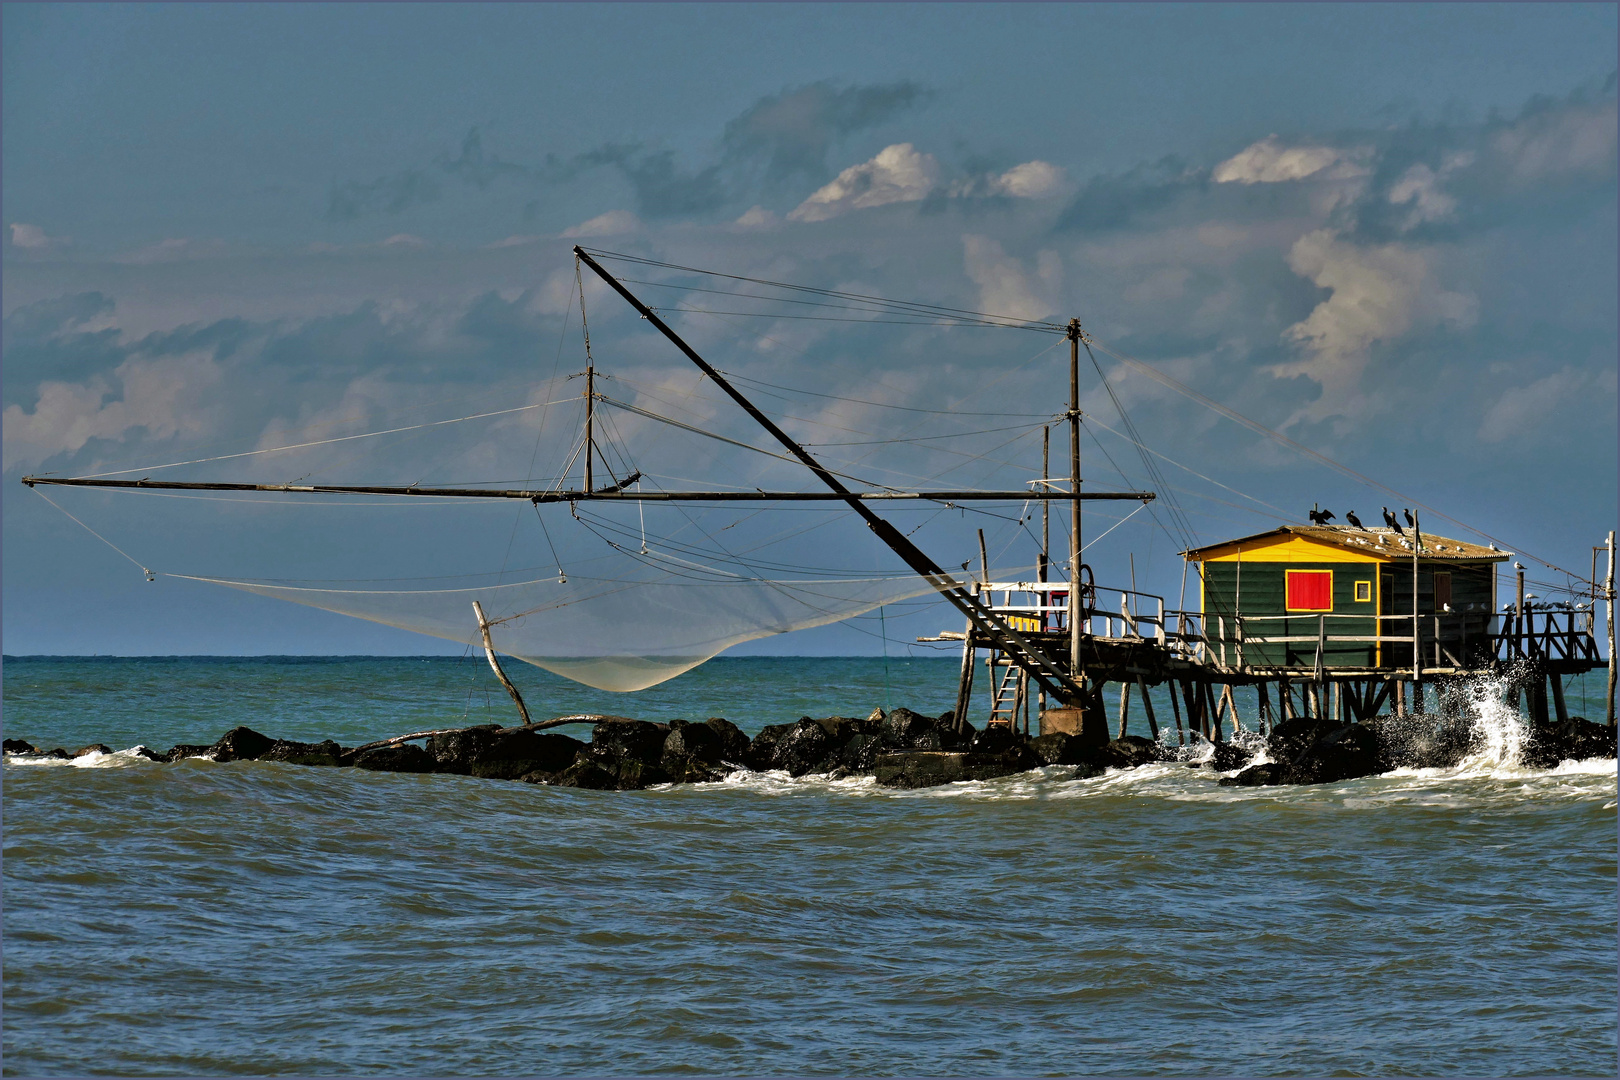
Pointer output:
x,y
590,380
1608,590
1076,672
1046,510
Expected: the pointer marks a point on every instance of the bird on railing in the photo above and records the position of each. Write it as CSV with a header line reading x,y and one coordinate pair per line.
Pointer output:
x,y
1350,516
1389,519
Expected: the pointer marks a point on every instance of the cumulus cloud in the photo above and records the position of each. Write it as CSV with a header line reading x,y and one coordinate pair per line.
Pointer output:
x,y
898,173
791,133
1552,140
757,217
1378,293
612,223
1420,188
1270,161
33,238
1524,412
162,396
1031,180
1005,287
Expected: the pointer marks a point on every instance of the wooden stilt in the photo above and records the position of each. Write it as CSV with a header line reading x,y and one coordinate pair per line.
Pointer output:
x,y
1124,706
1147,708
1267,721
1212,713
1556,684
1175,708
1231,707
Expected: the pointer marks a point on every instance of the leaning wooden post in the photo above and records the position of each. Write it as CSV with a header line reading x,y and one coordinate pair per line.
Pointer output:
x,y
1124,706
1608,589
1147,707
489,651
1175,708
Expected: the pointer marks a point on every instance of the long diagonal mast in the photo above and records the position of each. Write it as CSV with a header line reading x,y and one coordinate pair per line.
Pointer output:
x,y
1033,659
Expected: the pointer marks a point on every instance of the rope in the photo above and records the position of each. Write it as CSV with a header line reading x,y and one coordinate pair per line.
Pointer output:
x,y
149,574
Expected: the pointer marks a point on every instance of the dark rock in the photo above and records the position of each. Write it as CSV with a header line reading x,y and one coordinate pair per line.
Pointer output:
x,y
995,739
1291,738
1576,739
93,748
929,768
405,758
151,755
629,740
693,771
762,750
327,753
509,755
185,750
1056,748
1344,753
1131,751
697,742
17,746
1255,776
241,744
59,753
803,749
733,743
455,751
903,729
632,775
1421,740
860,754
587,772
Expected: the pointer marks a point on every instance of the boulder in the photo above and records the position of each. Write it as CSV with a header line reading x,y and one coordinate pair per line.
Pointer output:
x,y
697,742
860,754
1256,776
187,750
733,743
586,772
93,748
929,768
995,739
241,744
327,753
1291,738
628,740
1344,753
405,758
762,750
1421,740
1576,739
803,748
151,755
18,746
455,751
903,729
509,755
1131,751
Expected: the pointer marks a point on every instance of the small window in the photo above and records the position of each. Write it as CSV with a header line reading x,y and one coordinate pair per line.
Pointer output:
x,y
1442,591
1363,592
1310,590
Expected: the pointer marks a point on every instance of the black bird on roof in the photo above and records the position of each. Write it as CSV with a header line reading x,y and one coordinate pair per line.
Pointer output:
x,y
1389,519
1350,516
1319,517
1410,520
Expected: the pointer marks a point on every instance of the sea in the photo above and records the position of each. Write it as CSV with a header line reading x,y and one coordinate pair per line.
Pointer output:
x,y
203,919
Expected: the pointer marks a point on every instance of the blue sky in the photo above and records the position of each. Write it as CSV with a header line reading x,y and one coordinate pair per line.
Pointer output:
x,y
1387,230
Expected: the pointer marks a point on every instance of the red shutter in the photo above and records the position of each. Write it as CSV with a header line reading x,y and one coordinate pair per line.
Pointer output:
x,y
1310,590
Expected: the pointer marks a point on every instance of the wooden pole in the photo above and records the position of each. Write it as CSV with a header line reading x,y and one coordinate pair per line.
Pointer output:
x,y
489,651
1147,707
1231,706
1608,589
1175,708
1042,567
1124,706
1267,720
1556,685
984,562
1076,666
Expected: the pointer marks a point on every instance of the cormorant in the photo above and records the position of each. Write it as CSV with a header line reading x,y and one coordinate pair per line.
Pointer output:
x,y
1319,517
1389,519
1350,516
1410,520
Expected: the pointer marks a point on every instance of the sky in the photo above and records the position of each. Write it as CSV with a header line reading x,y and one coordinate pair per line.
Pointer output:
x,y
1385,231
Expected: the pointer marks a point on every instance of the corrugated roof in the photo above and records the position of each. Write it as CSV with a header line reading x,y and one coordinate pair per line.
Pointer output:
x,y
1380,541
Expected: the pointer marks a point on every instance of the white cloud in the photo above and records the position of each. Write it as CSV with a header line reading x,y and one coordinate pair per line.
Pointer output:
x,y
33,237
1378,294
164,396
1005,288
757,217
1557,142
1420,186
612,223
404,240
1270,162
897,174
515,241
1031,180
1524,411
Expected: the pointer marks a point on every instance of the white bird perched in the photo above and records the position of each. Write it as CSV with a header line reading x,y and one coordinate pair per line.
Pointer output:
x,y
1518,565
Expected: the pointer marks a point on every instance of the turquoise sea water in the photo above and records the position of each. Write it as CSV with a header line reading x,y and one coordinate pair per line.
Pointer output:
x,y
250,918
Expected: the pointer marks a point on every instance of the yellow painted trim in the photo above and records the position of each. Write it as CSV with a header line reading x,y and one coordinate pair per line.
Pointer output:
x,y
1368,598
1329,608
1292,548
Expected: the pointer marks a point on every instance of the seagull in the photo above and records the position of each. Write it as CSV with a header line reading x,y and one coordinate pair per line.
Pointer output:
x,y
1389,519
1410,520
1350,516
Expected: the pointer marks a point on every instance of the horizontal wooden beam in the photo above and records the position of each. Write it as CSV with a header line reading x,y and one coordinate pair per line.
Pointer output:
x,y
553,496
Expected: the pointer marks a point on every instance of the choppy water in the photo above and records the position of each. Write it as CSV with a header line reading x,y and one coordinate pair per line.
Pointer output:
x,y
200,918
